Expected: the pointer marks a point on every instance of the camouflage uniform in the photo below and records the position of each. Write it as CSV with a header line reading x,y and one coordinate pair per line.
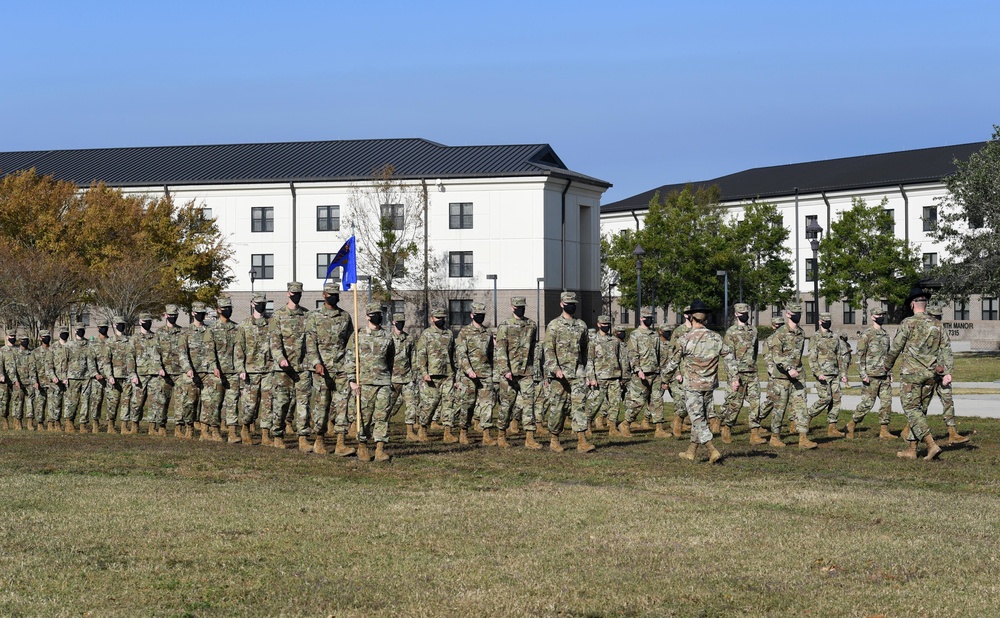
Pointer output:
x,y
80,371
873,346
374,367
828,357
787,395
195,357
253,360
435,358
98,348
659,387
404,387
148,385
220,394
741,338
768,404
539,390
566,352
605,358
22,404
6,383
473,353
676,390
291,384
180,390
643,357
43,359
327,333
58,372
947,362
515,354
117,365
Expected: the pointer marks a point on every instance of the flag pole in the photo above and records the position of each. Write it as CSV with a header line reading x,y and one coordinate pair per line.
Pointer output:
x,y
357,359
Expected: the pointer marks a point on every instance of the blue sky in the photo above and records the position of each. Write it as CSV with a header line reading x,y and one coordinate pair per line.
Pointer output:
x,y
636,93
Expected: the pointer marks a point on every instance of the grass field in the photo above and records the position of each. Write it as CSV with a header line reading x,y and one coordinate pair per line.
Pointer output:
x,y
102,525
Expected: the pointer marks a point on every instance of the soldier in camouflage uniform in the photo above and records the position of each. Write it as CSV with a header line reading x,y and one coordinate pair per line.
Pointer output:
x,y
290,379
81,370
785,389
659,386
741,338
565,366
829,357
117,365
696,356
22,401
149,382
540,393
404,388
761,435
220,387
328,330
936,310
43,358
514,361
195,356
6,360
474,363
605,358
435,364
644,363
374,365
676,392
180,389
57,372
253,362
920,342
98,348
873,346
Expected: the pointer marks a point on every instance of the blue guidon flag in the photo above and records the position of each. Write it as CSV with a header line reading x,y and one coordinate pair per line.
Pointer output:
x,y
346,258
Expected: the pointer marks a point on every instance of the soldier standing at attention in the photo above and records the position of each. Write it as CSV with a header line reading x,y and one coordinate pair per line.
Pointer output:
x,y
741,338
919,341
565,365
224,334
58,375
374,365
6,361
474,361
43,359
194,359
947,363
290,380
786,391
514,362
761,435
96,399
404,389
328,330
435,364
676,392
117,365
178,388
697,357
873,346
253,361
604,375
25,384
827,356
644,364
659,386
81,368
149,382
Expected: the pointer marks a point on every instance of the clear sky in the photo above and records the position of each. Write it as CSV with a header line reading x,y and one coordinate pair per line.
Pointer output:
x,y
636,93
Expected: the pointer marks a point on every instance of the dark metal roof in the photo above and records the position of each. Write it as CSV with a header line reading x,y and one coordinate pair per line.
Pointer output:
x,y
344,160
907,167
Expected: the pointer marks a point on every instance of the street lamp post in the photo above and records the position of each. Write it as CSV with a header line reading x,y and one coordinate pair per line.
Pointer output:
x,y
494,279
538,307
813,231
253,277
725,310
638,253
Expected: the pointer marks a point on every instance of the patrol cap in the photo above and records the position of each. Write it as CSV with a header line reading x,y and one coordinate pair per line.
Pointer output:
x,y
935,308
44,333
663,328
793,307
878,311
646,313
398,317
224,301
687,309
22,334
171,310
439,312
103,322
117,319
79,326
330,287
478,308
145,316
64,329
567,297
824,317
371,308
741,308
294,287
518,301
777,321
258,299
621,328
198,307
604,319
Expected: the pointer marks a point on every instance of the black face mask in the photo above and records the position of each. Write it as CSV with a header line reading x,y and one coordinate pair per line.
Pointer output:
x,y
146,325
11,340
795,317
24,344
743,317
376,319
80,333
63,336
199,317
519,311
620,336
399,325
569,308
826,325
439,322
647,322
172,319
880,320
103,330
46,340
120,328
295,298
479,318
332,299
226,312
605,328
261,308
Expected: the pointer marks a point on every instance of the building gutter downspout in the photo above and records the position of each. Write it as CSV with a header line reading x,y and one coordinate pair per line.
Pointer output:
x,y
291,187
563,199
427,302
636,217
906,214
798,294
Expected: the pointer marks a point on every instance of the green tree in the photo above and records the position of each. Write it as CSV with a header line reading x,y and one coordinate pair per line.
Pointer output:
x,y
760,263
969,225
861,260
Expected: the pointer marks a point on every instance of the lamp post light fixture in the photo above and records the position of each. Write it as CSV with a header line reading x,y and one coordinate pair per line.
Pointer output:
x,y
493,278
538,307
612,284
639,253
725,310
814,231
253,277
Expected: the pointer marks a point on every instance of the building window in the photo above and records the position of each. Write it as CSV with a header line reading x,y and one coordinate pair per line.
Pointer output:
x,y
930,218
269,309
262,219
397,306
459,263
327,218
811,219
393,212
320,303
623,318
930,261
206,214
263,265
459,312
848,313
891,223
777,312
989,309
460,216
680,318
810,311
322,263
961,310
810,269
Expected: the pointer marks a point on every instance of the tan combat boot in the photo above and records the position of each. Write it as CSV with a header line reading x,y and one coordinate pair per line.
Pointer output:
x,y
624,429
791,427
463,436
513,429
380,454
833,432
885,434
676,425
265,437
805,443
554,444
727,435
714,456
540,429
436,425
933,450
613,429
17,424
905,434
763,433
206,434
422,434
319,446
449,438
278,442
111,428
95,426
776,441
5,424
690,453
645,423
851,426
188,433
476,426
234,436
83,427
599,423
755,439
909,453
70,428
161,431
352,430
363,454
178,431
246,438
582,446
502,439
488,439
715,424
660,431
123,427
304,445
530,442
410,434
954,437
341,449
134,429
